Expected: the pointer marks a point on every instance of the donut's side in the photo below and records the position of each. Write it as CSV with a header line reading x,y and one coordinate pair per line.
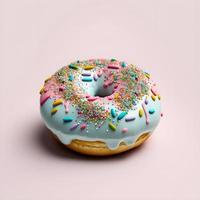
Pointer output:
x,y
98,148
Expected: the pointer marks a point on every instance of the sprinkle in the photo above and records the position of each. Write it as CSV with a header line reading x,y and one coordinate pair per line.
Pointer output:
x,y
109,98
72,66
71,78
42,90
113,67
147,75
74,127
153,97
161,114
44,98
112,126
100,73
128,119
86,74
83,126
67,119
54,110
151,111
57,102
95,77
124,64
140,113
113,113
121,115
87,79
124,130
146,115
61,88
113,60
47,79
159,97
153,91
146,100
66,105
92,98
89,67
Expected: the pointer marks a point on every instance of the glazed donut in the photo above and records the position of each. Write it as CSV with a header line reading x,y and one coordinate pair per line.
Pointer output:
x,y
100,106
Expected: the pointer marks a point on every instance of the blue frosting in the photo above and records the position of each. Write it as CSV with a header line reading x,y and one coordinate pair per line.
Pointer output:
x,y
91,133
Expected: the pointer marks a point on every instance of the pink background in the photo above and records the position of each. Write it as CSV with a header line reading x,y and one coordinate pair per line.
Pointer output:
x,y
40,36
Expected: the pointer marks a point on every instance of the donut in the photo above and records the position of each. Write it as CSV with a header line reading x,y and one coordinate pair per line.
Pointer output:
x,y
100,106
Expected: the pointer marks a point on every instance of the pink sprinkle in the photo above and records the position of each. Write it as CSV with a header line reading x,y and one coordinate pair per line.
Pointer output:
x,y
61,88
154,90
146,115
87,95
113,67
43,98
66,104
83,126
92,98
109,98
124,130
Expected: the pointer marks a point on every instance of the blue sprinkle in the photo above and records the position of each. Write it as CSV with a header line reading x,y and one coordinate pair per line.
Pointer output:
x,y
71,78
67,119
87,79
151,111
113,113
121,115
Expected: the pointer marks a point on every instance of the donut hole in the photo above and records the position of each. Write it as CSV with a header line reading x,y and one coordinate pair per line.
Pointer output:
x,y
104,92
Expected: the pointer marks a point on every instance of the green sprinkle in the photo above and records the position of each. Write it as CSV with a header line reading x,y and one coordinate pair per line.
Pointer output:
x,y
112,126
121,115
67,119
72,66
124,64
113,113
113,59
71,78
87,79
151,111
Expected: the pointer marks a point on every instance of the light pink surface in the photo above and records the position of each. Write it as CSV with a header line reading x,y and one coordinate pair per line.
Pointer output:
x,y
41,36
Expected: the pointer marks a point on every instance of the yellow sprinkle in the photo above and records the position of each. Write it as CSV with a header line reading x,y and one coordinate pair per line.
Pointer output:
x,y
47,79
153,97
88,67
140,113
57,102
147,75
159,97
41,90
54,110
116,94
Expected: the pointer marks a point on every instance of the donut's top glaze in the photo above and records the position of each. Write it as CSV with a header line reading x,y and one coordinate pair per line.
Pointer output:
x,y
100,100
